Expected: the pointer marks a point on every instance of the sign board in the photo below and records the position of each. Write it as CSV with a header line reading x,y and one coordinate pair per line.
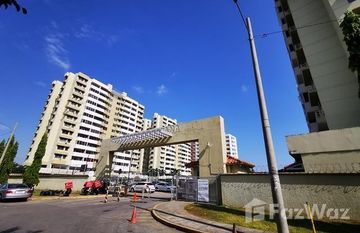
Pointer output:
x,y
203,190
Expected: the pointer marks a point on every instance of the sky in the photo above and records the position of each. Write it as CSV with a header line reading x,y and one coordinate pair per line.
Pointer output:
x,y
184,59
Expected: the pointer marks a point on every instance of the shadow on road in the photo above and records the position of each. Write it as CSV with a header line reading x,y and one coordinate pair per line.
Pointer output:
x,y
14,229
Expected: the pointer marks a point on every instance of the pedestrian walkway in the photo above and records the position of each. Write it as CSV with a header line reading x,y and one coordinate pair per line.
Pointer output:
x,y
173,214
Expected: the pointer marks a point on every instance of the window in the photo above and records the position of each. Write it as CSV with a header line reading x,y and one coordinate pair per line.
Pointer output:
x,y
291,47
307,77
314,99
306,97
311,117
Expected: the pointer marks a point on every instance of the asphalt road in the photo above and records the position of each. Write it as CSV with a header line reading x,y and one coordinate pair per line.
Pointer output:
x,y
80,215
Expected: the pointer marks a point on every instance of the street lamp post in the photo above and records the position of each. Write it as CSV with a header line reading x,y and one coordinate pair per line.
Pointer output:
x,y
280,215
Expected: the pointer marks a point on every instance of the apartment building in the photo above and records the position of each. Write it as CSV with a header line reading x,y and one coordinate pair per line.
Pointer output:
x,y
168,158
327,88
127,117
78,114
231,145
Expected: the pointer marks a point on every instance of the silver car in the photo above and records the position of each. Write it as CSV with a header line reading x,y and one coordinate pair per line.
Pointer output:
x,y
166,187
14,191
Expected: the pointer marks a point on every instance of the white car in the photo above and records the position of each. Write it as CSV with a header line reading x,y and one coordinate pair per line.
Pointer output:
x,y
139,187
166,187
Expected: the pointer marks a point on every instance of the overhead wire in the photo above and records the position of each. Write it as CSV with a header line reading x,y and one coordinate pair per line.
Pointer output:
x,y
264,35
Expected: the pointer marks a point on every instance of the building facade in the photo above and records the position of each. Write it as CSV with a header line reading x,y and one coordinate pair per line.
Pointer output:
x,y
78,114
168,158
231,145
327,88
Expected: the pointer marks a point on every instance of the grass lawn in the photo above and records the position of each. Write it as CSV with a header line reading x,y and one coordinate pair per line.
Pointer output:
x,y
237,216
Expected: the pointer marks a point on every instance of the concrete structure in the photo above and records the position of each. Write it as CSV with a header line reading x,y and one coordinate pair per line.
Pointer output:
x,y
231,146
327,88
336,191
333,151
53,182
208,132
80,112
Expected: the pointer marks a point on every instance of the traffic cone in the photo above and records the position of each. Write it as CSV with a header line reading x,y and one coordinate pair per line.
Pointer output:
x,y
133,216
135,198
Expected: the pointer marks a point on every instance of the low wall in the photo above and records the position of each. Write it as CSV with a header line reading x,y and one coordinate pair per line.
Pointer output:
x,y
54,181
335,190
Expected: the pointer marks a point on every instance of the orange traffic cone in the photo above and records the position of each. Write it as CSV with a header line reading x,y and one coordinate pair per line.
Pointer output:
x,y
135,198
133,216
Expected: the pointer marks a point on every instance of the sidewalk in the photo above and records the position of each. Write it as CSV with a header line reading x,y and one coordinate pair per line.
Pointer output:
x,y
174,215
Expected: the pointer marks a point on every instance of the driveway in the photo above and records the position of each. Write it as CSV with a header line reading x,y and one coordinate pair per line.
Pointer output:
x,y
80,215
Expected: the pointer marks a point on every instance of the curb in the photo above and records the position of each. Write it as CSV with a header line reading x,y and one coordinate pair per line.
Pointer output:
x,y
50,198
170,224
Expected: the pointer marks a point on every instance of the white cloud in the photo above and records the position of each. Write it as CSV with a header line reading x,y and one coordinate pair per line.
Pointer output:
x,y
138,89
3,127
161,90
244,88
56,51
40,84
54,24
87,31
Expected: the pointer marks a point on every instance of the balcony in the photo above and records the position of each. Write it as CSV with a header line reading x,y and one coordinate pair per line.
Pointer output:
x,y
78,93
80,88
81,82
76,100
59,161
61,152
68,136
63,143
69,128
73,106
70,113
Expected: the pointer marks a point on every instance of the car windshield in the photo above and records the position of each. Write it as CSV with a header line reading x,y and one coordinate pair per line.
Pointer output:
x,y
17,186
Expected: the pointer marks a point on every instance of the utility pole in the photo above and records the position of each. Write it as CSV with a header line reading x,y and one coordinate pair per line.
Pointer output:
x,y
281,222
7,143
280,215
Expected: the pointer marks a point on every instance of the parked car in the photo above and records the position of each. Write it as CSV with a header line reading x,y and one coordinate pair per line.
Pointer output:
x,y
138,187
166,187
15,191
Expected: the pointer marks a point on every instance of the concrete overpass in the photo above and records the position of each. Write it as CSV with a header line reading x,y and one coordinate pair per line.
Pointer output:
x,y
209,133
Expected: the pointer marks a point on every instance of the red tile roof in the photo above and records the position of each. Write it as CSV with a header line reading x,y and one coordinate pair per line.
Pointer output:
x,y
230,161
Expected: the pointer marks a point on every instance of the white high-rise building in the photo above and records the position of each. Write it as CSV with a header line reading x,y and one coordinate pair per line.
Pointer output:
x,y
168,158
78,114
128,116
328,89
231,145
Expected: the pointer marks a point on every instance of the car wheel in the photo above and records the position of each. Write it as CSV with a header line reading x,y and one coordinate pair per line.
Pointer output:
x,y
0,197
132,190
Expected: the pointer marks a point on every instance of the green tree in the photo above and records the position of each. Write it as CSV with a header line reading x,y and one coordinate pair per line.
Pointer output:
x,y
350,26
18,168
2,147
8,160
7,3
31,174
